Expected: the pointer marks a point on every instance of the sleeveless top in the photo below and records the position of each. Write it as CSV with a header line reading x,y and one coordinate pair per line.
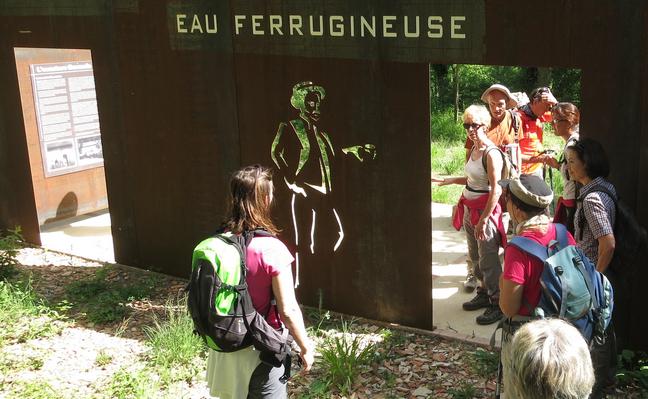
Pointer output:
x,y
477,178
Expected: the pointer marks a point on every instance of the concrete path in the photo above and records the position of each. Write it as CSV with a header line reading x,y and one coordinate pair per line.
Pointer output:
x,y
88,236
449,251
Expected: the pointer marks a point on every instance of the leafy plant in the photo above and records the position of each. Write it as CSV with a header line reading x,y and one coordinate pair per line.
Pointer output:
x,y
129,384
633,369
344,357
465,391
484,363
103,358
176,352
24,316
10,243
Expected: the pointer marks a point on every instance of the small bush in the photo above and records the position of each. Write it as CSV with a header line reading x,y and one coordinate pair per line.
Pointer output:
x,y
176,352
344,357
103,358
10,243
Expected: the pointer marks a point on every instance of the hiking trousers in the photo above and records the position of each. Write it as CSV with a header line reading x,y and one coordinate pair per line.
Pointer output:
x,y
484,255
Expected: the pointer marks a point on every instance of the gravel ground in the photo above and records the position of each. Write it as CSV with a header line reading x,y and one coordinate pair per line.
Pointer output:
x,y
412,366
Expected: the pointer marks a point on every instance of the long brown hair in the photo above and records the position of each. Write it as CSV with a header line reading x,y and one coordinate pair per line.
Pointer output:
x,y
250,202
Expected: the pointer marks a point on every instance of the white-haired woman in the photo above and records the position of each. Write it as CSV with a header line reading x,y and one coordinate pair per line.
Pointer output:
x,y
547,358
480,213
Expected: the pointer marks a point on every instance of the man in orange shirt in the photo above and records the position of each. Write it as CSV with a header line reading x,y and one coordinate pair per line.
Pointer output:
x,y
505,125
534,114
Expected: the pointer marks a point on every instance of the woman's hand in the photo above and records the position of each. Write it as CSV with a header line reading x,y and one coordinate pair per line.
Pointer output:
x,y
308,358
442,181
480,229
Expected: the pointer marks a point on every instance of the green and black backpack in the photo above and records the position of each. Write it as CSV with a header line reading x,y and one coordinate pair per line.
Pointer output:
x,y
221,306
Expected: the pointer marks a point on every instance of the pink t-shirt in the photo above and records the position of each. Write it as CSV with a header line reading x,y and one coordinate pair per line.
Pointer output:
x,y
525,270
266,258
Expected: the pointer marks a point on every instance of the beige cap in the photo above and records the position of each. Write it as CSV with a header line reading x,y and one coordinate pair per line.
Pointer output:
x,y
511,103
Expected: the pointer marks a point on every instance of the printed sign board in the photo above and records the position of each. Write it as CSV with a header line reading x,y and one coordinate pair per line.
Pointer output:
x,y
68,121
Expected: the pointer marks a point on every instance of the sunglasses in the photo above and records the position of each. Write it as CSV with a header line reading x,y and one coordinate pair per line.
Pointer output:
x,y
473,126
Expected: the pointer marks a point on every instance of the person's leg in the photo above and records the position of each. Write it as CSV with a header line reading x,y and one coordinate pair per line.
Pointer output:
x,y
491,269
265,383
481,298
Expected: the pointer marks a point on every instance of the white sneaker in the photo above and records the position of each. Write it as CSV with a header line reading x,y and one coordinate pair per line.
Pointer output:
x,y
471,283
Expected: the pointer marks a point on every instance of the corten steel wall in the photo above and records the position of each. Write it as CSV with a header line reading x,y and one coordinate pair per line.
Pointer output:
x,y
177,116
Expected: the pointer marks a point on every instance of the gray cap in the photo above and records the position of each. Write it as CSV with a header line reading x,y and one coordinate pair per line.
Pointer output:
x,y
511,103
530,189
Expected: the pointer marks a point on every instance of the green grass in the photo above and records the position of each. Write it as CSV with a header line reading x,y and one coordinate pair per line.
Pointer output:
x,y
103,358
131,384
33,390
344,357
484,363
10,243
177,354
104,301
24,316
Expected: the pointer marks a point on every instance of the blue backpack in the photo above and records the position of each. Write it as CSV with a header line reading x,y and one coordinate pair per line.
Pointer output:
x,y
572,289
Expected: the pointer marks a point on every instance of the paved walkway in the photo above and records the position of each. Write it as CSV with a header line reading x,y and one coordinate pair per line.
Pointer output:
x,y
90,236
449,251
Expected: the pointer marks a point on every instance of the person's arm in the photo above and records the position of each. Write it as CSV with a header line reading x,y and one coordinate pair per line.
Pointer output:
x,y
510,298
606,245
599,223
494,164
282,287
450,180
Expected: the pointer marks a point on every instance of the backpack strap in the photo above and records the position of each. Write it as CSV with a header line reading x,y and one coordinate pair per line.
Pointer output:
x,y
515,124
531,247
489,149
561,235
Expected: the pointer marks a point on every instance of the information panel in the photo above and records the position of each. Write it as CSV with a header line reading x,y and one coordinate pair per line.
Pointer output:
x,y
66,112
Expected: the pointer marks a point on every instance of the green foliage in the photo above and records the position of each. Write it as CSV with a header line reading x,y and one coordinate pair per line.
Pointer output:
x,y
103,358
176,352
344,357
24,316
444,127
458,85
129,384
633,369
447,158
10,243
484,363
465,391
318,390
36,389
105,302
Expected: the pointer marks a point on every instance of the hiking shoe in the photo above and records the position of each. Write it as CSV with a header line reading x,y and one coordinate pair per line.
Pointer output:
x,y
480,300
493,314
471,283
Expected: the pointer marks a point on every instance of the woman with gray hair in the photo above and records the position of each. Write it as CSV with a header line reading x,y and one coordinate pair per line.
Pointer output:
x,y
480,213
547,359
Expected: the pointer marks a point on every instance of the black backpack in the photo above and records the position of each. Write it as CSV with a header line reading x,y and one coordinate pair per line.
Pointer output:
x,y
220,304
629,236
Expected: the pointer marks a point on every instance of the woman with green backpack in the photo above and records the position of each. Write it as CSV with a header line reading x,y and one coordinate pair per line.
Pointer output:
x,y
242,374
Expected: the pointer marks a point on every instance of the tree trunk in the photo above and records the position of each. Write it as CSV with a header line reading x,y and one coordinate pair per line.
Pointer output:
x,y
455,77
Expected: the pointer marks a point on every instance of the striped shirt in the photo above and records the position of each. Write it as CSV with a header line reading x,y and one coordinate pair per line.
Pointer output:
x,y
596,212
